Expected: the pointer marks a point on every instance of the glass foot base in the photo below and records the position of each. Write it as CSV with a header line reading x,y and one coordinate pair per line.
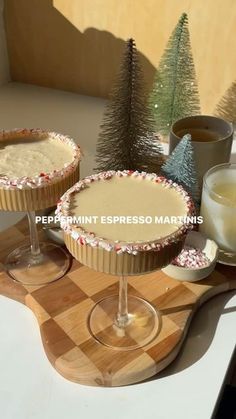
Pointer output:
x,y
227,258
144,323
50,265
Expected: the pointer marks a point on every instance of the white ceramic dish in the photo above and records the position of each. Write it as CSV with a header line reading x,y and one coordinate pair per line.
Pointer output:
x,y
209,247
54,234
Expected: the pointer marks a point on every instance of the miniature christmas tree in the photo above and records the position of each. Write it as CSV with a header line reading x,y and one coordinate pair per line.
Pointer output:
x,y
226,107
175,92
127,139
180,167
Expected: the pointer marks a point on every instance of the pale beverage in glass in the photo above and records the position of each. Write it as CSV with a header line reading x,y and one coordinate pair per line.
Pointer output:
x,y
218,209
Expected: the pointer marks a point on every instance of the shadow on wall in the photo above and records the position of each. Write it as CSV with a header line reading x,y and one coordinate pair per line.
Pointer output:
x,y
46,49
4,69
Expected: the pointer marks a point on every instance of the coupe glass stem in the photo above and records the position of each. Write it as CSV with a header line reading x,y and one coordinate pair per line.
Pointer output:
x,y
34,239
122,318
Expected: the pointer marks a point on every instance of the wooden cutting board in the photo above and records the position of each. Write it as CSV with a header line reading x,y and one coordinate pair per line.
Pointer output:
x,y
62,309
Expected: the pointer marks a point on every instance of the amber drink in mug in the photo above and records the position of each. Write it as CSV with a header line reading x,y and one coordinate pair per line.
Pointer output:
x,y
211,139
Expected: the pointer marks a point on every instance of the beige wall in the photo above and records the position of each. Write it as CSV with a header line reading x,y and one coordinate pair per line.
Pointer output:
x,y
76,44
4,67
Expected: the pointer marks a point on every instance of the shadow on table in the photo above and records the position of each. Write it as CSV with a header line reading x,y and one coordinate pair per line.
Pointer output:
x,y
200,335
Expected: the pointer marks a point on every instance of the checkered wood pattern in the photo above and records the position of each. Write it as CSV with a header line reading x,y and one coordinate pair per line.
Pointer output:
x,y
62,310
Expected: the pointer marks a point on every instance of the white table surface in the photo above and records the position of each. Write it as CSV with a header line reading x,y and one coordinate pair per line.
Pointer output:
x,y
29,386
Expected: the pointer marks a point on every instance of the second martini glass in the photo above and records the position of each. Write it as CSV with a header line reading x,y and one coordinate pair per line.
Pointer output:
x,y
37,263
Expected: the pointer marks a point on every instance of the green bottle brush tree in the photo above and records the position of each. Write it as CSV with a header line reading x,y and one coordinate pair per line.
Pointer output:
x,y
180,167
175,92
127,139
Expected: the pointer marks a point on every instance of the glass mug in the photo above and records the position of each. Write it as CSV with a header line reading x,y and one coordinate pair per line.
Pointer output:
x,y
218,209
211,139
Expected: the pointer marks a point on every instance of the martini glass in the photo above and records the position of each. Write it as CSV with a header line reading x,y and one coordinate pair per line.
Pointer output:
x,y
37,263
123,321
134,322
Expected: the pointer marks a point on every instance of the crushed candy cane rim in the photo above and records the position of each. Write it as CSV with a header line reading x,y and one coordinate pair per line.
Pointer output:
x,y
83,236
26,182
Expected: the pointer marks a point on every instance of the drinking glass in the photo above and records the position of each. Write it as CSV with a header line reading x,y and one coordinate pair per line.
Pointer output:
x,y
218,209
